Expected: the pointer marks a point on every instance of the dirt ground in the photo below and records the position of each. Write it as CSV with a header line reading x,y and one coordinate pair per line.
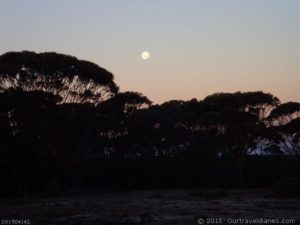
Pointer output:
x,y
156,207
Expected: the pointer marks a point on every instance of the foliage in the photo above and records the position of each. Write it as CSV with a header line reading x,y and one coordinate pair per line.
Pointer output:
x,y
75,81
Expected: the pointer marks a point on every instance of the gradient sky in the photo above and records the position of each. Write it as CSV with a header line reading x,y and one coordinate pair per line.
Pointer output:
x,y
197,47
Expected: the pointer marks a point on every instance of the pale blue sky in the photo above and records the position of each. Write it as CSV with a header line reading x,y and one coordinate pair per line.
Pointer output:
x,y
197,47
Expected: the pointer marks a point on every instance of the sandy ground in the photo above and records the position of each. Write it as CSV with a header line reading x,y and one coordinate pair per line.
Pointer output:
x,y
164,207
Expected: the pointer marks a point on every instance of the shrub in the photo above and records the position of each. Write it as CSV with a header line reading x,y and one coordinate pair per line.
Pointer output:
x,y
53,188
287,187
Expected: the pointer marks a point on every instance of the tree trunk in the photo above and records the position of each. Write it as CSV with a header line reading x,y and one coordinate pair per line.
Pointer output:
x,y
241,170
242,177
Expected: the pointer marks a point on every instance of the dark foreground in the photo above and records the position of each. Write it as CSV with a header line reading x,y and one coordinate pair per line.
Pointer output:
x,y
165,207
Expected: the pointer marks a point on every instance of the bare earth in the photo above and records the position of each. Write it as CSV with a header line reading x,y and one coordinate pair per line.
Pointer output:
x,y
157,207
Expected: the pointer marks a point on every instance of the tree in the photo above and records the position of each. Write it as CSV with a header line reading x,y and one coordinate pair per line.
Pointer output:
x,y
43,140
113,119
47,107
75,81
238,120
25,122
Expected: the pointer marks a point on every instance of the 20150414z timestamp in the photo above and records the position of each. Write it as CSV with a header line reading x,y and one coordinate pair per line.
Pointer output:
x,y
14,221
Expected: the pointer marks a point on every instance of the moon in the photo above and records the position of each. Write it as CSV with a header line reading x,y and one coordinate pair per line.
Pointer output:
x,y
145,55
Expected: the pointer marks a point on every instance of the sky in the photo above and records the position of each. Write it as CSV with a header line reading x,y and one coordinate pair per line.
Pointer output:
x,y
197,47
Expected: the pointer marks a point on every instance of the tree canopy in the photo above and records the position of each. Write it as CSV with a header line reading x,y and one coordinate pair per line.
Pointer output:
x,y
74,80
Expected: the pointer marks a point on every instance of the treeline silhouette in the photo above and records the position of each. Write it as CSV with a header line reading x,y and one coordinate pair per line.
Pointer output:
x,y
65,125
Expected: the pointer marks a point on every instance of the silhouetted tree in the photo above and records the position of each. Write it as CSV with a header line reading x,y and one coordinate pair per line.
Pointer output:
x,y
238,121
26,119
39,128
113,121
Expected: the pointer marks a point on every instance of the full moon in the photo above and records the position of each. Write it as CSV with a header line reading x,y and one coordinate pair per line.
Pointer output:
x,y
145,55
